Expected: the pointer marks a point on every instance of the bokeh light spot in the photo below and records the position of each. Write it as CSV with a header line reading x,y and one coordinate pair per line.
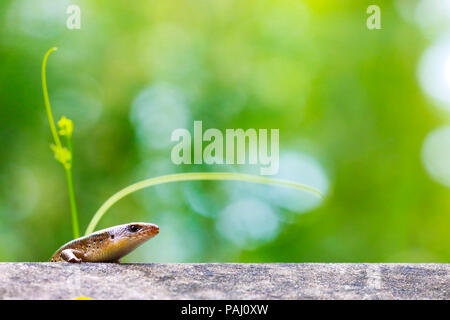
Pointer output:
x,y
436,155
294,166
156,112
248,223
433,16
38,19
434,72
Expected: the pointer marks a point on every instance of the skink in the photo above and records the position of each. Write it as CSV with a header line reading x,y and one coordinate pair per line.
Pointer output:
x,y
107,245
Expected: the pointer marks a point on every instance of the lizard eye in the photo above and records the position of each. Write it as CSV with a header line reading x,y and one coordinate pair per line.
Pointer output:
x,y
134,228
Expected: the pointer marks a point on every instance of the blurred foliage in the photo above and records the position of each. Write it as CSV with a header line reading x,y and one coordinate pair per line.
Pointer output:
x,y
340,94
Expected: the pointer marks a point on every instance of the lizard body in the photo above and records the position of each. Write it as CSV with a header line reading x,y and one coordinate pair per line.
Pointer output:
x,y
107,245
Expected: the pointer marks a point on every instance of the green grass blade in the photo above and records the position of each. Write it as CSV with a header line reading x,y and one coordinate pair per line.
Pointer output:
x,y
219,176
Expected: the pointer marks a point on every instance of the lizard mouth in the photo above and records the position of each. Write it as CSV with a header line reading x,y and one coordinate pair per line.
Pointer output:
x,y
150,229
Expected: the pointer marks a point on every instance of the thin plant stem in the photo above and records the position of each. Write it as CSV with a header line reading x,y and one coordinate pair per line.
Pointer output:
x,y
192,177
46,99
73,207
73,204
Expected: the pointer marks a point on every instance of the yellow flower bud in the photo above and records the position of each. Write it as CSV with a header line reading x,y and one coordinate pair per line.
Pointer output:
x,y
65,127
62,155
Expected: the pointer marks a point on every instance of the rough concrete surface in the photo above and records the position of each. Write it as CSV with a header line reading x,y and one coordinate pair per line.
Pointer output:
x,y
224,281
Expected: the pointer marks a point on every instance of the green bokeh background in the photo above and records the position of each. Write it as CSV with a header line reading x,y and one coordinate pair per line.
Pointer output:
x,y
341,94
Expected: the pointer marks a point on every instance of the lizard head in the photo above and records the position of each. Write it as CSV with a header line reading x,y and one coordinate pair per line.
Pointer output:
x,y
140,230
125,238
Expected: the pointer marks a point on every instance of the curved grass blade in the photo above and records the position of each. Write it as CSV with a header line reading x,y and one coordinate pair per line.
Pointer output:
x,y
192,176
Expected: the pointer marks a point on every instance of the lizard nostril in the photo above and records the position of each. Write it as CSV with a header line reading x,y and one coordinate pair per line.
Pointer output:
x,y
112,236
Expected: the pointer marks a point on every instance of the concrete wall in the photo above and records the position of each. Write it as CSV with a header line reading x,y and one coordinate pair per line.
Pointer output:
x,y
224,281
